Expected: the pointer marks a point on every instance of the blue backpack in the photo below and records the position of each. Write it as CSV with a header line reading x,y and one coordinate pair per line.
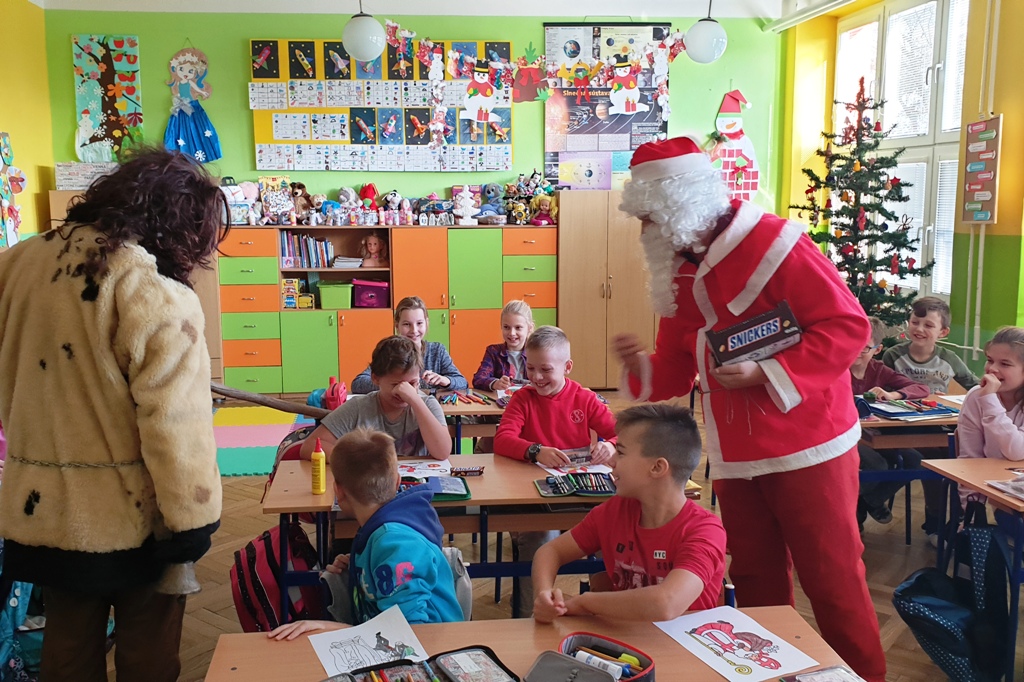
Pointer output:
x,y
961,621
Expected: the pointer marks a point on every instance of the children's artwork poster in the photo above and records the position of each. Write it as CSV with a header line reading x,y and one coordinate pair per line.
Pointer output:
x,y
312,103
732,151
385,638
108,95
12,182
609,95
735,645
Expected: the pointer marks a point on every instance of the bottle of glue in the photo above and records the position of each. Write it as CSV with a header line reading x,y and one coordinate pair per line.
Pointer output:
x,y
319,460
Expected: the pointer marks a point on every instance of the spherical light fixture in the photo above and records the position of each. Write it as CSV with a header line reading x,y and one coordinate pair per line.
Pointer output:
x,y
363,37
706,40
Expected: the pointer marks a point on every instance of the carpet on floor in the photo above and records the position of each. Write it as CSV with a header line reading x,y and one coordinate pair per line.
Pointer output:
x,y
247,438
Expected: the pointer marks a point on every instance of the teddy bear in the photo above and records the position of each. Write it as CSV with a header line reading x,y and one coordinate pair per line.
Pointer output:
x,y
392,200
303,201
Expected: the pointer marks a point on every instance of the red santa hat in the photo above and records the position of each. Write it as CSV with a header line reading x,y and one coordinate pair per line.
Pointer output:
x,y
438,51
666,158
731,103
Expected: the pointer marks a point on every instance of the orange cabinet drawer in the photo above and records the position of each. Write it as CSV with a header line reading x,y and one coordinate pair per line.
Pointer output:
x,y
252,353
250,242
529,241
250,298
536,294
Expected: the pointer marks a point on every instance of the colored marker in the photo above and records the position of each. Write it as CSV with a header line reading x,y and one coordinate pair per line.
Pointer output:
x,y
430,671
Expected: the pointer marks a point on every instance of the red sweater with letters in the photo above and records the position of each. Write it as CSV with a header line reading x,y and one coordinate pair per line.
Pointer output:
x,y
561,421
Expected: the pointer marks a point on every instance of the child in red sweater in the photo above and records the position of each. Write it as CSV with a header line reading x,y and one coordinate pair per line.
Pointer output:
x,y
868,375
542,420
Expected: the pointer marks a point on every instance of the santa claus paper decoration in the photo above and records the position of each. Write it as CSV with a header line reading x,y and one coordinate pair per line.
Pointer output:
x,y
732,151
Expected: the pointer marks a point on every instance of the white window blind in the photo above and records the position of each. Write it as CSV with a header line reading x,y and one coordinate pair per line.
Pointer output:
x,y
945,216
953,68
917,175
856,57
909,54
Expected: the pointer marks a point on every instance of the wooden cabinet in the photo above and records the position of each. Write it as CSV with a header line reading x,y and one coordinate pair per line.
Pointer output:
x,y
471,332
419,262
359,331
309,349
602,282
474,268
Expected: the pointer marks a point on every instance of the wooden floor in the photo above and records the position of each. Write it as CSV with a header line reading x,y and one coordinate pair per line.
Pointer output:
x,y
212,613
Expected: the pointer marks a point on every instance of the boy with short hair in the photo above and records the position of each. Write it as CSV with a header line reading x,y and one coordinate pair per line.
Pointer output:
x,y
542,420
396,555
868,375
920,358
652,538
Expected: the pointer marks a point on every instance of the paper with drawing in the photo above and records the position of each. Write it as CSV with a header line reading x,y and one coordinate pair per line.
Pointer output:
x,y
388,637
735,645
579,464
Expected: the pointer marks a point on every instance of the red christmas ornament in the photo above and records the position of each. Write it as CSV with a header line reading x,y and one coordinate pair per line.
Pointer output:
x,y
847,250
878,126
870,279
828,202
895,288
910,262
895,182
861,219
894,266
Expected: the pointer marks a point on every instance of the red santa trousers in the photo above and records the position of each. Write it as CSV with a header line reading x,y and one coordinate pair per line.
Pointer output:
x,y
805,518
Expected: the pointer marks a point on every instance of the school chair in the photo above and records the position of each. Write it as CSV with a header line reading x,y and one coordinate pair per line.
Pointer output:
x,y
898,474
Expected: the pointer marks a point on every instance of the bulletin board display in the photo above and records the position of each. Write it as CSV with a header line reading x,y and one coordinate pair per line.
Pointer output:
x,y
980,154
316,109
611,96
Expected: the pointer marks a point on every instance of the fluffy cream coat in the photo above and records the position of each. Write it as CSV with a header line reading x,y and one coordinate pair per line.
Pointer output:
x,y
105,399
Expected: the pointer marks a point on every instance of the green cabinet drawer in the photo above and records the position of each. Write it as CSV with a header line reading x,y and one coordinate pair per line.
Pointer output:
x,y
530,268
542,316
254,379
309,349
439,327
474,269
251,270
245,326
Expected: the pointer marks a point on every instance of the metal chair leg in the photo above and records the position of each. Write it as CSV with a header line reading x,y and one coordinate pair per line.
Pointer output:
x,y
498,557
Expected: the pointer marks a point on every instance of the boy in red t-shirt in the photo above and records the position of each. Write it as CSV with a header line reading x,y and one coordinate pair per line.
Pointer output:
x,y
542,420
652,538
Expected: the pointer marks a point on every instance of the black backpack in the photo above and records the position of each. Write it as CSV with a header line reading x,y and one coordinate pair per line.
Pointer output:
x,y
961,621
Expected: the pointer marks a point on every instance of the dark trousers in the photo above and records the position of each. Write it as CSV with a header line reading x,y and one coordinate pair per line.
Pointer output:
x,y
148,627
877,493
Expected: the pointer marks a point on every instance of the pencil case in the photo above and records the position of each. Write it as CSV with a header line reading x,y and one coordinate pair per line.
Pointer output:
x,y
587,485
552,666
612,648
469,664
445,488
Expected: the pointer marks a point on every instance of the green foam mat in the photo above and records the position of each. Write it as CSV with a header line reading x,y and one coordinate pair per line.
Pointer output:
x,y
246,461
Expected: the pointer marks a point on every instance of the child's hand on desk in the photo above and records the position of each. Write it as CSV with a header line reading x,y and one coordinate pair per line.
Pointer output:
x,y
435,379
601,452
574,606
501,384
406,393
548,605
629,348
989,385
292,630
741,375
552,457
339,564
883,394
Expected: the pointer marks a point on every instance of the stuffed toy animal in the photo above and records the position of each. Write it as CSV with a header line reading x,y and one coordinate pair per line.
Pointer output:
x,y
303,201
392,200
348,198
491,196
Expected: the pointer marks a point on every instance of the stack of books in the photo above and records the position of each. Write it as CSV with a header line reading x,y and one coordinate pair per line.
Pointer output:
x,y
347,262
911,410
303,251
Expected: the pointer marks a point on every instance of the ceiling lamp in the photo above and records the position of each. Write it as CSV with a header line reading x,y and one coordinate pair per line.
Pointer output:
x,y
706,40
363,37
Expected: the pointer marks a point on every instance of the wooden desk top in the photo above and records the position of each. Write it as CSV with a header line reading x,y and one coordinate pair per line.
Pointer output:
x,y
244,657
504,481
472,409
972,473
938,421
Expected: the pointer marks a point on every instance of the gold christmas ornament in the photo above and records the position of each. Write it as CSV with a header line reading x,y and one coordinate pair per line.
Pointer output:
x,y
856,166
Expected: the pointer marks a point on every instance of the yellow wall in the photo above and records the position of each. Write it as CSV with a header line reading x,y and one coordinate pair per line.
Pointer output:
x,y
810,66
25,112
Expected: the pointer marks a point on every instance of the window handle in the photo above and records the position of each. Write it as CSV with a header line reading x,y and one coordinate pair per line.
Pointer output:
x,y
928,75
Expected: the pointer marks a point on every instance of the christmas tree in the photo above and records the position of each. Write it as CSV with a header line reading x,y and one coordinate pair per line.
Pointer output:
x,y
863,236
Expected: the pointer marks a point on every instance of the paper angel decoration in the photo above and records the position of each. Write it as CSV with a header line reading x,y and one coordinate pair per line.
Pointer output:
x,y
189,129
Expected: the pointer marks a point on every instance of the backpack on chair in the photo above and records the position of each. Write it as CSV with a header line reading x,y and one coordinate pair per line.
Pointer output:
x,y
961,621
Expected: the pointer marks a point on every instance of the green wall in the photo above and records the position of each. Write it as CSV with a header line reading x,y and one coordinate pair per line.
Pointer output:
x,y
751,64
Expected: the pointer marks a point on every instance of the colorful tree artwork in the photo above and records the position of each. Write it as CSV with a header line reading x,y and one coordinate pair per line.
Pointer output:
x,y
108,96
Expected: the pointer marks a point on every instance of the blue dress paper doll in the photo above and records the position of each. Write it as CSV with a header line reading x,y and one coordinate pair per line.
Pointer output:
x,y
189,129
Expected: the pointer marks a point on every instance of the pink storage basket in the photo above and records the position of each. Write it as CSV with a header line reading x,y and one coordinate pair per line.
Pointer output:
x,y
370,294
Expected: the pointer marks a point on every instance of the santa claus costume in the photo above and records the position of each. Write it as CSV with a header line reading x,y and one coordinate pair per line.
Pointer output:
x,y
782,432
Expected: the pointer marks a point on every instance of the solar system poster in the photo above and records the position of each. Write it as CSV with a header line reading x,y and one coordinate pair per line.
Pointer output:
x,y
591,122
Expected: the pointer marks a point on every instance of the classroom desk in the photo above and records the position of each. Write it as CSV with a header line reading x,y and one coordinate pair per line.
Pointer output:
x,y
879,434
1009,514
518,642
472,409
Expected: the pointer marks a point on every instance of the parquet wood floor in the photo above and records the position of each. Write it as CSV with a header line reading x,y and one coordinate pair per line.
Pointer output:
x,y
212,613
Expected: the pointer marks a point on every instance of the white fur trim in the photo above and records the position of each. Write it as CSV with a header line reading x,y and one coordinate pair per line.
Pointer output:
x,y
645,380
780,387
770,262
700,295
666,168
817,454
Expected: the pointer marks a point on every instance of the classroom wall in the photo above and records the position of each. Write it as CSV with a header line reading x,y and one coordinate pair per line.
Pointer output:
x,y
752,64
26,108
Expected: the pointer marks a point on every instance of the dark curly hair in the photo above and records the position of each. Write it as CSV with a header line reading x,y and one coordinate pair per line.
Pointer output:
x,y
166,201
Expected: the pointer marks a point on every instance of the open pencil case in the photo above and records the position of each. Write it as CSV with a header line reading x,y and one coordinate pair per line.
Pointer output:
x,y
445,488
589,485
641,668
469,664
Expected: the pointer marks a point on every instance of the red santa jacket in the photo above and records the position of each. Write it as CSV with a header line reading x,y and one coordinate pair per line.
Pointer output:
x,y
804,415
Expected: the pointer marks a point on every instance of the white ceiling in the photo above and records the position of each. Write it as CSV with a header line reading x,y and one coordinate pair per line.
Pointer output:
x,y
607,10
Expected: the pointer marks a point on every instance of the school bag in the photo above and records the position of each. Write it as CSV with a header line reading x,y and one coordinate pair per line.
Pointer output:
x,y
255,587
961,621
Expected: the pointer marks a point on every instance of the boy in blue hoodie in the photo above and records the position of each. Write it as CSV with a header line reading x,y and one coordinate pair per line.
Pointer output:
x,y
396,555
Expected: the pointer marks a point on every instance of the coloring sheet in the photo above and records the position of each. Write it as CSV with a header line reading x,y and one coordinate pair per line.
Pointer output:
x,y
735,645
580,464
388,637
423,468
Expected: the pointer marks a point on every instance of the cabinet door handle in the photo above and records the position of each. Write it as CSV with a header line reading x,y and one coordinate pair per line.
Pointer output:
x,y
245,243
528,295
248,326
330,321
453,301
453,319
529,241
253,381
342,317
529,268
609,292
248,298
603,285
443,296
252,352
250,270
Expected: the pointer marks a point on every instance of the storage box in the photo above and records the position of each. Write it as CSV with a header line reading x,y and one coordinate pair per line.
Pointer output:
x,y
370,294
335,296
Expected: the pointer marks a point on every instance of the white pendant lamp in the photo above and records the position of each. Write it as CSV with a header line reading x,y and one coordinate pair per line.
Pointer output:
x,y
363,37
706,40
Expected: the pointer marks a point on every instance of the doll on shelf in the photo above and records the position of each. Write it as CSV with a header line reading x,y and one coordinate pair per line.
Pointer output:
x,y
374,251
544,209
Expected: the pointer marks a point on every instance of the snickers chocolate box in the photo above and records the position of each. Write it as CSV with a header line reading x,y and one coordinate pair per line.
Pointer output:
x,y
755,339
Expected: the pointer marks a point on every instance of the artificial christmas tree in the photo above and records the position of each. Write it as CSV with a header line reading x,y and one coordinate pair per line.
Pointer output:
x,y
863,236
